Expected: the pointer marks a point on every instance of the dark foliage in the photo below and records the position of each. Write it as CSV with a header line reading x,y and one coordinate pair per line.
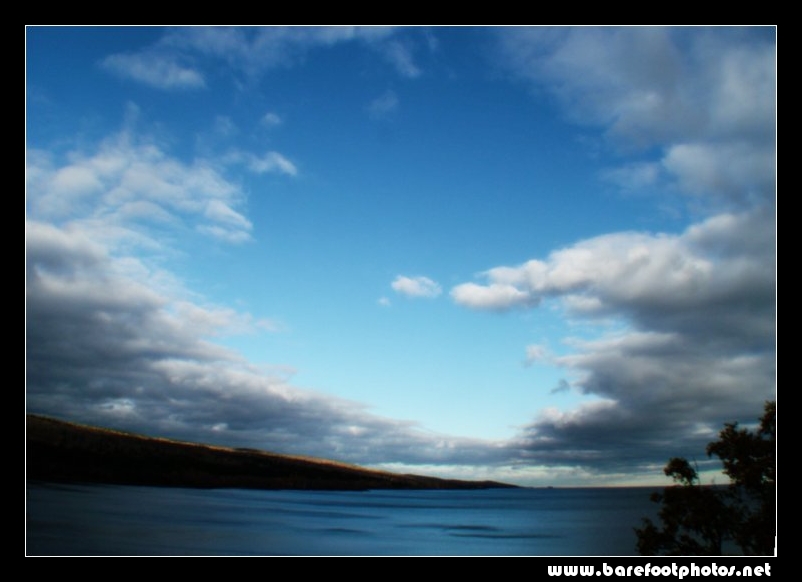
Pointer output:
x,y
702,520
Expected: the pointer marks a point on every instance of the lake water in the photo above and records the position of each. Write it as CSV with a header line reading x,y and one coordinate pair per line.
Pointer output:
x,y
122,520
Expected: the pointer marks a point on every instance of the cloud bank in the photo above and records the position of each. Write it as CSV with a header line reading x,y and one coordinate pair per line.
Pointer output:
x,y
695,312
110,342
115,339
685,320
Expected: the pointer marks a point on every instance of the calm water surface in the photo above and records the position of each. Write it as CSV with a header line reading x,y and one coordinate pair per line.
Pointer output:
x,y
121,520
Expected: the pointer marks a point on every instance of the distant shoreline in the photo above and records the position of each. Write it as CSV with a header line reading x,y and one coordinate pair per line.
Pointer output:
x,y
66,452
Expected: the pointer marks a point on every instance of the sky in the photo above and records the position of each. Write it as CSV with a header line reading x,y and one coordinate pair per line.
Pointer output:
x,y
545,256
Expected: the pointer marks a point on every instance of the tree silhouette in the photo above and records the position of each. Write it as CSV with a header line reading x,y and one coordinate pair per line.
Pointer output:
x,y
700,520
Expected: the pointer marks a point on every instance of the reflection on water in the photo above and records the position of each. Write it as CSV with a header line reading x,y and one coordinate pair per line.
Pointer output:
x,y
118,520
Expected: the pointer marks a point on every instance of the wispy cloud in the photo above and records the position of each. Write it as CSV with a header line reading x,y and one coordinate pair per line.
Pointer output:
x,y
269,162
257,49
154,69
536,353
400,55
125,178
271,119
383,105
251,51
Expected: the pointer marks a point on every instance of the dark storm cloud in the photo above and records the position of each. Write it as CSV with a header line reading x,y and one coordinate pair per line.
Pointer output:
x,y
697,342
106,348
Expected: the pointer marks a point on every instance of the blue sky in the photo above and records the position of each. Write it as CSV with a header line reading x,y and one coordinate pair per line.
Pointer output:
x,y
538,255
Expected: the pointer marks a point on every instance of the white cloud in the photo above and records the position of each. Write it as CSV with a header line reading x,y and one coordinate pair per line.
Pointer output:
x,y
416,286
642,275
220,212
157,70
740,172
212,321
495,296
143,210
694,312
707,99
696,346
612,76
269,163
75,180
126,181
224,233
252,51
400,55
271,119
272,162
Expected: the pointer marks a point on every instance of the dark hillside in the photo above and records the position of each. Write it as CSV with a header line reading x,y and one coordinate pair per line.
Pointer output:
x,y
66,452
